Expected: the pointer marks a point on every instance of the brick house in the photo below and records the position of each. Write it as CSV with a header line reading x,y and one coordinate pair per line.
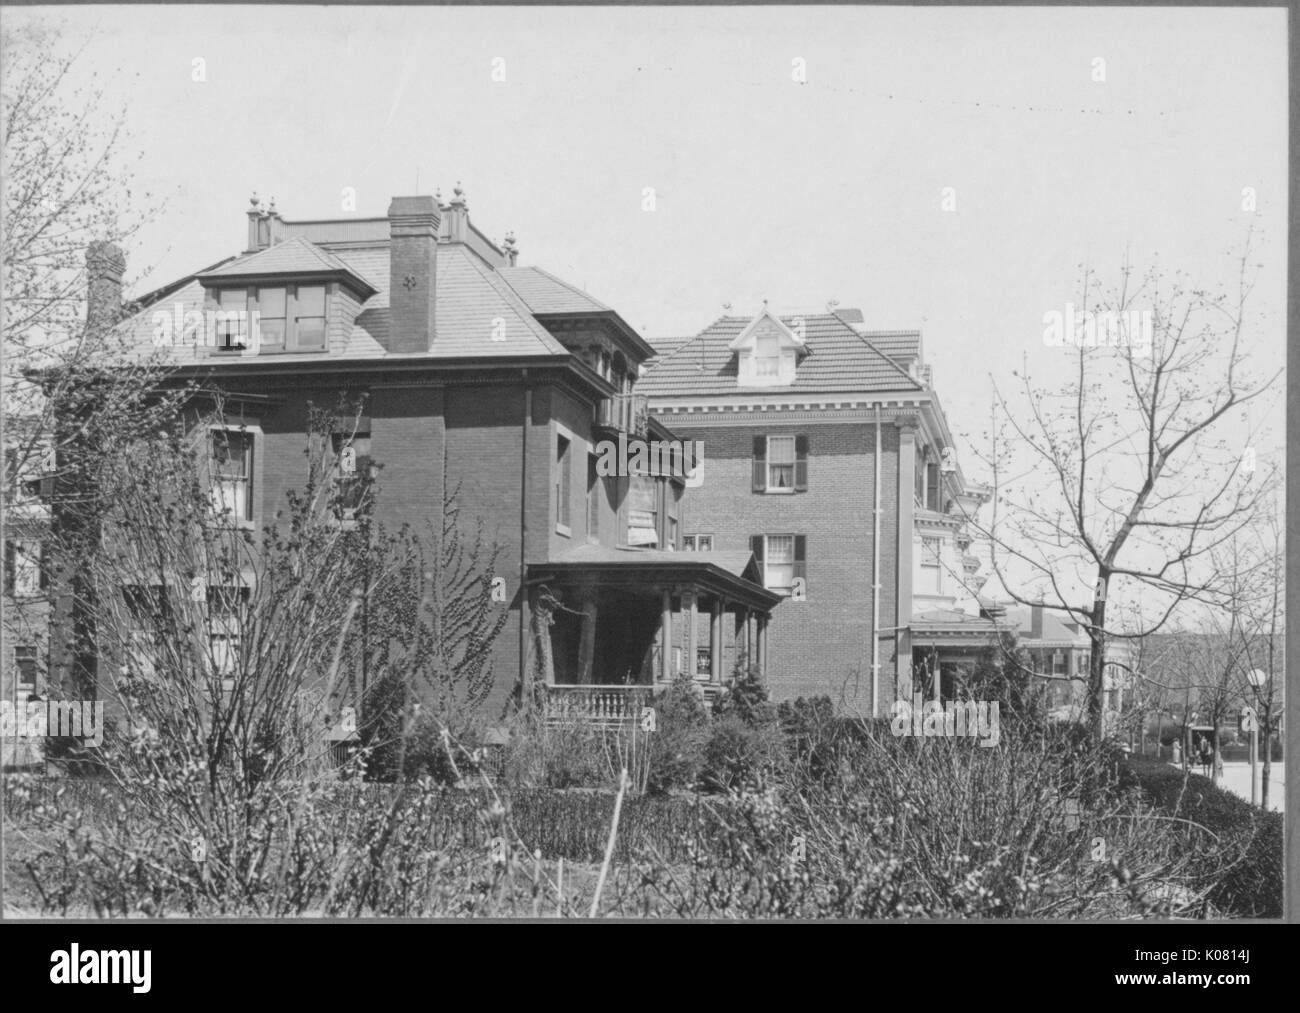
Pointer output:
x,y
827,456
1061,653
479,373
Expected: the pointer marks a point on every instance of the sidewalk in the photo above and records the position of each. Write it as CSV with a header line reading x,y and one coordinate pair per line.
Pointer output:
x,y
1236,779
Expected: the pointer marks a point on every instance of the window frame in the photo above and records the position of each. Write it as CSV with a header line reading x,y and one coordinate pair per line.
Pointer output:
x,y
563,484
289,344
253,479
760,546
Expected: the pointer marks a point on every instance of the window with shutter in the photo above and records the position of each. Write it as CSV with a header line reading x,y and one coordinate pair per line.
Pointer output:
x,y
760,464
801,463
780,463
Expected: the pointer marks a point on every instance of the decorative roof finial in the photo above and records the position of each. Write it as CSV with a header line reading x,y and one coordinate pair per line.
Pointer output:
x,y
271,210
255,201
509,241
458,196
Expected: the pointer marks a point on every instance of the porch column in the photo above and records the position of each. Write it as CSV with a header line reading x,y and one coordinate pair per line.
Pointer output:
x,y
762,646
749,646
715,641
666,637
689,617
587,646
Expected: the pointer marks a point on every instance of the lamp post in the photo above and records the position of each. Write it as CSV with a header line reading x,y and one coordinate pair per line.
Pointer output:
x,y
1256,677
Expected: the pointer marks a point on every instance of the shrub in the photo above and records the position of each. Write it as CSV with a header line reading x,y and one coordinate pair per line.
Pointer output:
x,y
681,731
739,755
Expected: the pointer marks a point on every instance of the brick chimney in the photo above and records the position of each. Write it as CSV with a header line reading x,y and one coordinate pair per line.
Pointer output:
x,y
105,265
1036,621
413,229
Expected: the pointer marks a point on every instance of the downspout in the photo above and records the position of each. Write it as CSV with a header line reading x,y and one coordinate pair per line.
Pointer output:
x,y
525,682
875,580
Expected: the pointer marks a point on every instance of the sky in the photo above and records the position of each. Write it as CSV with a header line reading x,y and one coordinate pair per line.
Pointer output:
x,y
948,169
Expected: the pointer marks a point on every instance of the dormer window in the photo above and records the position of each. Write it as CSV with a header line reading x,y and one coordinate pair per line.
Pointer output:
x,y
767,352
767,356
283,299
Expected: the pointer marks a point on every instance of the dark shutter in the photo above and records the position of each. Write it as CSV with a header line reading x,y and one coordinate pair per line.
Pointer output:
x,y
801,464
801,556
932,486
756,547
760,464
10,568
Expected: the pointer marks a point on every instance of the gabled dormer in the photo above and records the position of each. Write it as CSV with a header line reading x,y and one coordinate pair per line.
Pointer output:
x,y
767,351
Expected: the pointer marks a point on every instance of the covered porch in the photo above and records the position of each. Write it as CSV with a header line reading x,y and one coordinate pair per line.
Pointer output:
x,y
946,646
614,626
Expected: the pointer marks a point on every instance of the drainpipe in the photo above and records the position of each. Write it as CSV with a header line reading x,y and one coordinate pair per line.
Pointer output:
x,y
875,581
524,681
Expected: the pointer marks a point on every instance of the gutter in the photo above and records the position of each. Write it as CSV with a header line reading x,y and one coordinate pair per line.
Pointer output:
x,y
875,580
525,687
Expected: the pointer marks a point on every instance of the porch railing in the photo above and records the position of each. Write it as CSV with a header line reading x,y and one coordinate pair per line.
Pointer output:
x,y
606,705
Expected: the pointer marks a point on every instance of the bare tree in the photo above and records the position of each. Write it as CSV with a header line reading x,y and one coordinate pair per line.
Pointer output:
x,y
1122,480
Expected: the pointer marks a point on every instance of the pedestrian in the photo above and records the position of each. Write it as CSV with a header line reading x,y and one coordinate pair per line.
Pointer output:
x,y
1206,754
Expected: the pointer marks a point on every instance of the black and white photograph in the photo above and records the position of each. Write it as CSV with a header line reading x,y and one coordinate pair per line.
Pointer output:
x,y
642,463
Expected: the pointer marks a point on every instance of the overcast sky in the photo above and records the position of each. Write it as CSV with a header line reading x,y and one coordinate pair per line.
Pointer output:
x,y
766,186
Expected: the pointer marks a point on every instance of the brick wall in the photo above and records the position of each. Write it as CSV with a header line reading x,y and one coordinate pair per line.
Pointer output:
x,y
823,645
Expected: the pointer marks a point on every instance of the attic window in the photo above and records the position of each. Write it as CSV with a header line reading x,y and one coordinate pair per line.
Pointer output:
x,y
767,352
284,318
767,356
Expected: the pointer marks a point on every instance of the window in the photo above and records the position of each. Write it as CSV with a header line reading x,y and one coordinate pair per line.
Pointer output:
x,y
353,471
290,317
931,550
232,320
25,663
226,606
309,318
149,610
593,498
697,543
782,558
562,484
24,575
232,474
670,495
780,464
767,355
272,320
642,510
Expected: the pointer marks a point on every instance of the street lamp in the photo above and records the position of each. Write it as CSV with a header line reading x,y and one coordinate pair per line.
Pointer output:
x,y
1256,677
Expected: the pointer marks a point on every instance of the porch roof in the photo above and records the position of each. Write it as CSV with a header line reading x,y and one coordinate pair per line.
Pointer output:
x,y
734,575
948,627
